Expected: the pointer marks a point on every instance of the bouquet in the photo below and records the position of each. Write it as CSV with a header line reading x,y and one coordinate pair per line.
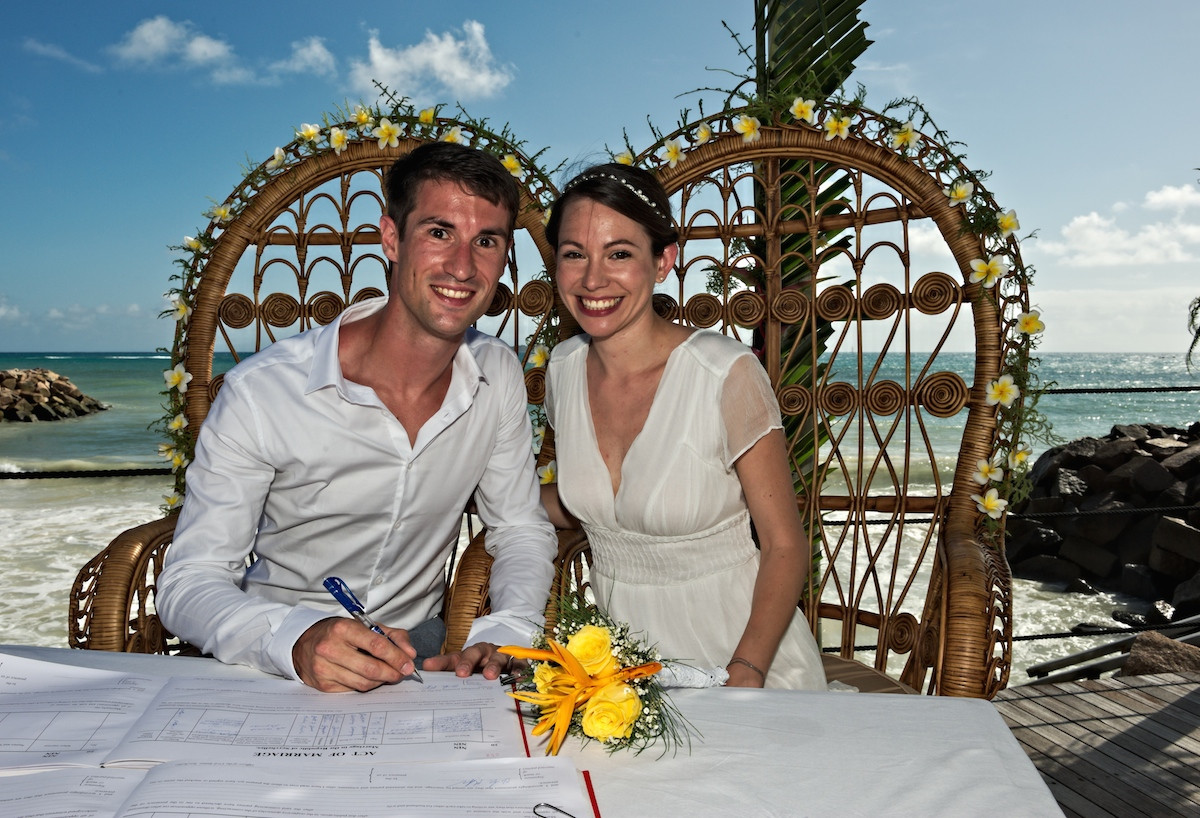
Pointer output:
x,y
595,681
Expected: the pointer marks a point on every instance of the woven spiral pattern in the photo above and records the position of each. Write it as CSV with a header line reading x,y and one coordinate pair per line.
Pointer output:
x,y
881,301
795,400
903,630
747,309
537,297
280,310
365,294
703,310
236,311
535,385
835,304
324,307
935,292
665,306
790,307
501,300
838,398
943,394
886,398
214,386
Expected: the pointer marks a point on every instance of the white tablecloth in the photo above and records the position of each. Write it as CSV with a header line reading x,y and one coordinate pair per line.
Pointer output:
x,y
774,753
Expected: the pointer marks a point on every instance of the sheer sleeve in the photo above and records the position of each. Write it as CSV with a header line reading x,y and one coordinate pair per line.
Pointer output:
x,y
748,406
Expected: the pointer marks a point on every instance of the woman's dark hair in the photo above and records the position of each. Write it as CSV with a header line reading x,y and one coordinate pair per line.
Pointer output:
x,y
480,173
632,192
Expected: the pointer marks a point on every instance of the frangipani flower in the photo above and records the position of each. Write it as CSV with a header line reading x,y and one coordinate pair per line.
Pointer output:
x,y
990,271
387,134
539,437
1008,224
309,132
804,109
220,213
837,126
990,503
1030,322
625,157
180,308
177,378
546,216
363,118
1019,457
453,135
749,127
172,500
959,192
539,355
277,159
905,136
513,165
178,423
166,451
704,133
179,461
1002,391
987,471
426,116
548,473
672,152
193,244
338,140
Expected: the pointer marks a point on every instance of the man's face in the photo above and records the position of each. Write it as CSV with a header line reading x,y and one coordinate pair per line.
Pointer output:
x,y
449,258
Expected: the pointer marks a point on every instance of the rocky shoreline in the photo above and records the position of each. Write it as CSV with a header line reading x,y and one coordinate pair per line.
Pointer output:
x,y
28,395
1119,513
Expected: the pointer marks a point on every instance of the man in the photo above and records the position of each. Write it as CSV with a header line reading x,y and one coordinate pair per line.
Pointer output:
x,y
350,450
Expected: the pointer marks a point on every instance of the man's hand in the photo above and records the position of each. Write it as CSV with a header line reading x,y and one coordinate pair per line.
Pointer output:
x,y
482,656
339,654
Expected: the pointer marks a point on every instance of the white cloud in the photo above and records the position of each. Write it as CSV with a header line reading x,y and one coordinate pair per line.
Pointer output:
x,y
55,52
10,312
462,67
1131,319
153,40
1100,241
1173,198
308,57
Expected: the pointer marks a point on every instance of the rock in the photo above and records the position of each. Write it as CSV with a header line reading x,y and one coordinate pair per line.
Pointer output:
x,y
1138,580
1187,597
1184,464
1160,448
1113,453
1131,618
39,394
1173,534
1141,474
1151,652
1080,586
1094,559
1046,569
1130,431
1037,540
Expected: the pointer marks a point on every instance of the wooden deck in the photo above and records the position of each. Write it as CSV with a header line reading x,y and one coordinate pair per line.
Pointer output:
x,y
1118,747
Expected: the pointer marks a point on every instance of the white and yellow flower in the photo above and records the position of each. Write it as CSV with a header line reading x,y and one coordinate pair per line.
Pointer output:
x,y
539,355
673,152
179,461
1030,323
193,244
309,132
1008,223
625,157
837,126
539,437
277,159
990,271
177,423
749,127
172,500
1002,391
387,134
426,116
513,165
959,192
454,135
704,133
990,503
338,140
178,378
987,471
548,473
804,109
363,118
180,308
1017,458
905,136
220,213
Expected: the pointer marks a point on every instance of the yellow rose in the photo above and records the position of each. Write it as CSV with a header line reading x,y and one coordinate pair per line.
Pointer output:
x,y
546,676
592,646
610,713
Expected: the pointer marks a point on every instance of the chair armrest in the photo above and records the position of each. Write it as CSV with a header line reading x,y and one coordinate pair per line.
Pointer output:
x,y
111,605
467,597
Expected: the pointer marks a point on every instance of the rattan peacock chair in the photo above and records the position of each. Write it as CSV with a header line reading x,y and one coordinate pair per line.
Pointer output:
x,y
802,246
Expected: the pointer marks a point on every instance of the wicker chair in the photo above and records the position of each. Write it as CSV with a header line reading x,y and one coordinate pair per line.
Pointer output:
x,y
828,226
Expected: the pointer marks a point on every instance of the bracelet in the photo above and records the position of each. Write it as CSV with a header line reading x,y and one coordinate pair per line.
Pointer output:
x,y
737,660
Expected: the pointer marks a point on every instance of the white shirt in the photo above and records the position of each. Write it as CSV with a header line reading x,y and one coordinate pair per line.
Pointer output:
x,y
316,477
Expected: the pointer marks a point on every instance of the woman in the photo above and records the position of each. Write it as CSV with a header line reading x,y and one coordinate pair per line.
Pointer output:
x,y
669,442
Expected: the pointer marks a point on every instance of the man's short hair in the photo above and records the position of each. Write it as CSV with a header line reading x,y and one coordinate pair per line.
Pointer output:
x,y
480,173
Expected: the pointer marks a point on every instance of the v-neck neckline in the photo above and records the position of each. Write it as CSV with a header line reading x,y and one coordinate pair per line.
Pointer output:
x,y
587,403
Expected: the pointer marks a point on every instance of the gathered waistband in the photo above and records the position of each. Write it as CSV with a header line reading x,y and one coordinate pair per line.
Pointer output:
x,y
647,559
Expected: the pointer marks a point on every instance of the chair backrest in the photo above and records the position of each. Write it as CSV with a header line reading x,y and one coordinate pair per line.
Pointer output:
x,y
811,249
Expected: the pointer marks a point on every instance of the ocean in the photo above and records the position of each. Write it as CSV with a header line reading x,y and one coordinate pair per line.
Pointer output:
x,y
50,527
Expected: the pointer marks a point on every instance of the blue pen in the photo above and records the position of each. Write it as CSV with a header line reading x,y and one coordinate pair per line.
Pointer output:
x,y
342,593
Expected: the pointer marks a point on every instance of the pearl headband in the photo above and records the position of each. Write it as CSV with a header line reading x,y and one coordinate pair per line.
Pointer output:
x,y
625,183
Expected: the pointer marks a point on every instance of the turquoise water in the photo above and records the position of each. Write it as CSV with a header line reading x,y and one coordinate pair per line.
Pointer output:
x,y
51,527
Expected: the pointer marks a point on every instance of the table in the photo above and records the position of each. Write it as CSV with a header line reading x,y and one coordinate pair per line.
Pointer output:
x,y
773,752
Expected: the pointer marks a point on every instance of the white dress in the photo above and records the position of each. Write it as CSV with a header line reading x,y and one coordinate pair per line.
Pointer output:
x,y
672,552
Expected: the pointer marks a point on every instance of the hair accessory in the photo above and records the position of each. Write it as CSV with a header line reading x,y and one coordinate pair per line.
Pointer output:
x,y
625,183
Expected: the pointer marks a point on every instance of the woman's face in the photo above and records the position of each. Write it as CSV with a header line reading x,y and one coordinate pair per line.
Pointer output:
x,y
606,268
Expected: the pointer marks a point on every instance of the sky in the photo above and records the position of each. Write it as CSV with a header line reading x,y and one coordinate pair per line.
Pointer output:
x,y
121,123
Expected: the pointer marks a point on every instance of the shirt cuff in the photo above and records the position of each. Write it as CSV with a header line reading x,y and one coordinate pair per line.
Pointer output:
x,y
505,629
279,650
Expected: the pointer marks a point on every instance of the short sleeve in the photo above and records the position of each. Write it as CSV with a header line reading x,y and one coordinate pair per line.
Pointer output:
x,y
749,407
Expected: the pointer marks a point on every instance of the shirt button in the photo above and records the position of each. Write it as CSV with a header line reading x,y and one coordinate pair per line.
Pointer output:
x,y
378,581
